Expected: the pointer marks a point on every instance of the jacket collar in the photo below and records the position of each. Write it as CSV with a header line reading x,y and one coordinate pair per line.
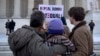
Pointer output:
x,y
28,27
76,27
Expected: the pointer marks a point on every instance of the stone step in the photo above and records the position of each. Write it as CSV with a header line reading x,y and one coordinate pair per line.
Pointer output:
x,y
97,47
96,43
97,52
3,44
4,48
6,53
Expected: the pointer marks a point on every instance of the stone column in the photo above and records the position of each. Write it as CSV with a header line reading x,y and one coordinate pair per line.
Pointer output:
x,y
2,8
84,4
17,10
71,3
52,2
30,7
94,5
58,2
97,3
66,6
78,3
46,2
81,3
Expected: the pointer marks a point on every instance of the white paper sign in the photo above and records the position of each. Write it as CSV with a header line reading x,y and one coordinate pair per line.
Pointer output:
x,y
52,11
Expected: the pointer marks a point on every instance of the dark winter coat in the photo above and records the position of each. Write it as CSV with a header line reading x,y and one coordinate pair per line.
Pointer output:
x,y
26,42
12,25
7,24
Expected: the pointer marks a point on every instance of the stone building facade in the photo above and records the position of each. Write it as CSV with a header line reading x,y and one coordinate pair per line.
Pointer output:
x,y
23,8
20,10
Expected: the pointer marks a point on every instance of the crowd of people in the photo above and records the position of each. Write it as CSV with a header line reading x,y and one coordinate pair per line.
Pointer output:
x,y
10,25
56,39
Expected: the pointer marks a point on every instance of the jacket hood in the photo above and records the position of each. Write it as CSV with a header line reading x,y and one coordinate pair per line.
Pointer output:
x,y
21,37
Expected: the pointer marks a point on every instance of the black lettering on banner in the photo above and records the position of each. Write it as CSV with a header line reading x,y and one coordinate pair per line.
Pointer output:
x,y
45,15
56,9
40,8
52,15
45,8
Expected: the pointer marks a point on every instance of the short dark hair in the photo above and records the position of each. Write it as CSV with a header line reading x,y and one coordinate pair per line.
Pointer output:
x,y
37,19
78,13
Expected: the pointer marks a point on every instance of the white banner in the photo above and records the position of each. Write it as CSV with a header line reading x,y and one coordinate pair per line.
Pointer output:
x,y
52,11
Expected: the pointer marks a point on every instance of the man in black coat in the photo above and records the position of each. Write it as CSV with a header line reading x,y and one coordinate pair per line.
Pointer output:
x,y
7,27
12,26
91,25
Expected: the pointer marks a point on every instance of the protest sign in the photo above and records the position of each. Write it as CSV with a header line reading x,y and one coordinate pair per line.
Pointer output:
x,y
52,11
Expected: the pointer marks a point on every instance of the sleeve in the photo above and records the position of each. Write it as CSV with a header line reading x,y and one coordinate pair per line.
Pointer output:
x,y
81,44
39,48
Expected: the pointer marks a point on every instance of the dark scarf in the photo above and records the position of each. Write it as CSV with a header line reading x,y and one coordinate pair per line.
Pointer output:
x,y
76,27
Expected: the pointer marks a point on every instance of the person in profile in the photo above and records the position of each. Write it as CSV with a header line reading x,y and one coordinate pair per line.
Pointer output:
x,y
81,35
12,26
91,25
7,27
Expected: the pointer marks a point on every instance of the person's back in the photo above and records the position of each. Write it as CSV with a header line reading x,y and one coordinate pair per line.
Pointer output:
x,y
55,32
27,42
19,41
91,25
7,25
12,24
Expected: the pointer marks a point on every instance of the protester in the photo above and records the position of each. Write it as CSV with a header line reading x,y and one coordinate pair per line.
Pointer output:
x,y
55,31
12,26
66,28
91,25
80,35
27,41
7,27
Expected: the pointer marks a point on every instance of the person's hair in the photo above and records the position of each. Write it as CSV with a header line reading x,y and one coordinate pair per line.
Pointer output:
x,y
91,20
37,19
78,13
63,20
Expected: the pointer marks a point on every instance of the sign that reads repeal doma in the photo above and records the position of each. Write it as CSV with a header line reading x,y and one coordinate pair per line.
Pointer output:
x,y
52,11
